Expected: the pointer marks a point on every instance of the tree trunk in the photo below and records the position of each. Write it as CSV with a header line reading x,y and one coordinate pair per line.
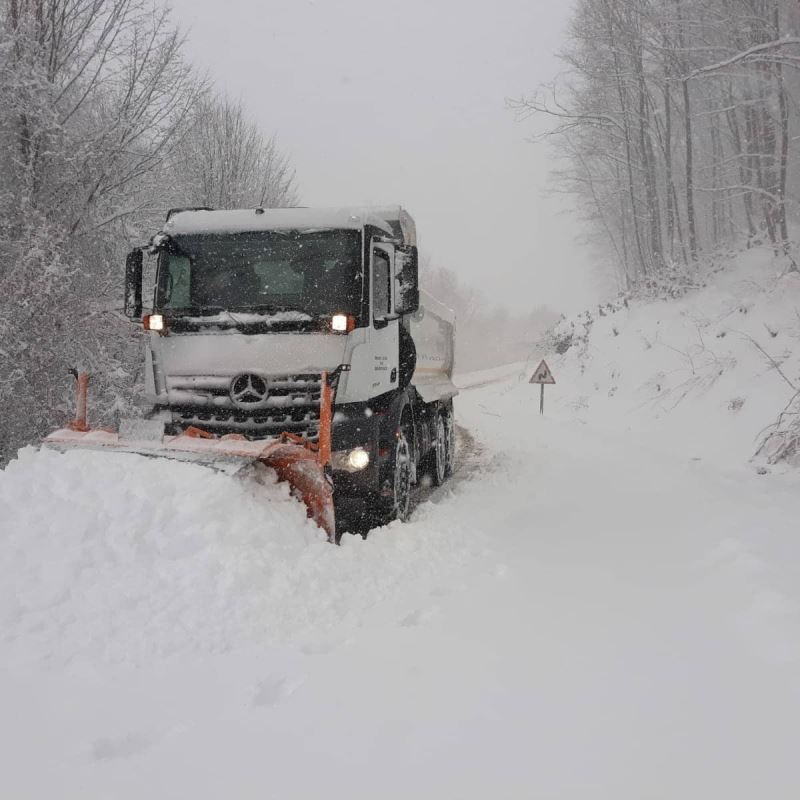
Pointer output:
x,y
627,135
736,137
717,196
668,187
783,168
687,111
649,165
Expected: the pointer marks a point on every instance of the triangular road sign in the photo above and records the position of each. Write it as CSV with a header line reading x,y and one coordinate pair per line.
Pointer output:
x,y
542,374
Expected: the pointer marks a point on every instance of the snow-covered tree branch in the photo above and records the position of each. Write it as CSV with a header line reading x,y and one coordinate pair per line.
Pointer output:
x,y
103,126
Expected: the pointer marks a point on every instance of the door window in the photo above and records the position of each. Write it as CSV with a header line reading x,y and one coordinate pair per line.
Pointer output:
x,y
381,292
178,294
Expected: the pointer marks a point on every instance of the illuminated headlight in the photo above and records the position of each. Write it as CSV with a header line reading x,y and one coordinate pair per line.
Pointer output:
x,y
350,460
343,323
153,322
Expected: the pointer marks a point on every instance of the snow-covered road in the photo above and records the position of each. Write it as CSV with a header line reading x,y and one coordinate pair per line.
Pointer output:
x,y
581,616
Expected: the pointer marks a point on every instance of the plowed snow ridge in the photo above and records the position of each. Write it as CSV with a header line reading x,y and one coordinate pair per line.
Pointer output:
x,y
124,557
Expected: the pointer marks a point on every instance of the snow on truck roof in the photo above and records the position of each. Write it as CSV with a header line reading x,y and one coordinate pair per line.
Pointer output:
x,y
270,219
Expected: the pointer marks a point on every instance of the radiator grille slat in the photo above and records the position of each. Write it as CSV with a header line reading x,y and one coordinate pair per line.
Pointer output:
x,y
204,401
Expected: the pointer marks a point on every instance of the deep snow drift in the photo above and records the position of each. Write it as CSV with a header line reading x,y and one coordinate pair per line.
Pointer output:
x,y
122,558
602,605
711,370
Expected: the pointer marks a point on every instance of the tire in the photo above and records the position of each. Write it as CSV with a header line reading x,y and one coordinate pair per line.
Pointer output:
x,y
450,439
439,469
398,504
402,472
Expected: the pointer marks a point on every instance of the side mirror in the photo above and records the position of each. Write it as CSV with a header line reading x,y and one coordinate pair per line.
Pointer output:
x,y
407,277
133,284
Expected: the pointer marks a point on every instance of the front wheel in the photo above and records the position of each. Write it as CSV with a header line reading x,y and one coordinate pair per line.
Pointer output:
x,y
440,454
403,472
450,443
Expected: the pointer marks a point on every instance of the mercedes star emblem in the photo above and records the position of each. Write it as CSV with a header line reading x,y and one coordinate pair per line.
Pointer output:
x,y
249,391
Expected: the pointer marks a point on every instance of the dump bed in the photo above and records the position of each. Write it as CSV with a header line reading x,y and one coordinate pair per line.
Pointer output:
x,y
433,332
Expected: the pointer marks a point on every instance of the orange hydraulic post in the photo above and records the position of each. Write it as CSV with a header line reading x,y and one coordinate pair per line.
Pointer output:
x,y
325,422
81,402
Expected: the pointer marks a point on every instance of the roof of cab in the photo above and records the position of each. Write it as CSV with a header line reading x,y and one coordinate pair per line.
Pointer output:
x,y
272,219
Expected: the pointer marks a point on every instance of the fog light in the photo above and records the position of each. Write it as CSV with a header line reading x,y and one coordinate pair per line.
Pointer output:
x,y
358,458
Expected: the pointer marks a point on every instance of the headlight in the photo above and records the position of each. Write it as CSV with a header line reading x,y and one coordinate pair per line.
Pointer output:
x,y
153,322
350,460
343,323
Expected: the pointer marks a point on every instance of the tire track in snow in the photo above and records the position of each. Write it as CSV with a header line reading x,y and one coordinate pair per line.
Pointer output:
x,y
470,459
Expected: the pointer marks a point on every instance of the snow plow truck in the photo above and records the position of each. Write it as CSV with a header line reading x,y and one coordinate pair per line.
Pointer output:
x,y
299,339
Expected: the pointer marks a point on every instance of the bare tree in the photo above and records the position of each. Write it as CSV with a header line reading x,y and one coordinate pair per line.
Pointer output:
x,y
225,161
96,105
668,116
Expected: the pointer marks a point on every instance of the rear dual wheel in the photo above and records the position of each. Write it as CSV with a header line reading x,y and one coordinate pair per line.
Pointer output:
x,y
403,467
444,447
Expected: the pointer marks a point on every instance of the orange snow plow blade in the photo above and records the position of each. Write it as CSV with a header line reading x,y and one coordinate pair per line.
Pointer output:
x,y
299,462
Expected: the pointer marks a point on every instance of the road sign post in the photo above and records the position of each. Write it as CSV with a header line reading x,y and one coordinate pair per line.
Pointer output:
x,y
542,376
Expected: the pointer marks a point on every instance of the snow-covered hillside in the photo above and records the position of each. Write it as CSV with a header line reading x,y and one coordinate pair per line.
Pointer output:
x,y
603,604
712,370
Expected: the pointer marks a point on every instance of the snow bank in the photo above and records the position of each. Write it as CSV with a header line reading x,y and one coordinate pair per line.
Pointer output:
x,y
713,369
124,558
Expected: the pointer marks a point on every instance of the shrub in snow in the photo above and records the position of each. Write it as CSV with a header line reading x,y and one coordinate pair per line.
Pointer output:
x,y
781,441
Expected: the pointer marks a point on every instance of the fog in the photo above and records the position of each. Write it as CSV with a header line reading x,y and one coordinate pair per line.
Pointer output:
x,y
379,103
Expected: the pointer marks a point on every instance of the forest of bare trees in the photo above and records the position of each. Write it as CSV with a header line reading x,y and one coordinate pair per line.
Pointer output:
x,y
103,126
678,123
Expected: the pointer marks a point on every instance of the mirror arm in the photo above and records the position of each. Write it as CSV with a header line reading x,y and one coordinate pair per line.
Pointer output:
x,y
385,319
161,241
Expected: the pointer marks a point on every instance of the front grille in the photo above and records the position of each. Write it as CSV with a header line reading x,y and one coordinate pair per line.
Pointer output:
x,y
292,405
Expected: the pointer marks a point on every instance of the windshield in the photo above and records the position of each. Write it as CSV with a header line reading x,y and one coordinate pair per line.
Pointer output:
x,y
317,273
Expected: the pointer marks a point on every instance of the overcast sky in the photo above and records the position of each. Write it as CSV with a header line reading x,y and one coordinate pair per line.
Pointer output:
x,y
404,101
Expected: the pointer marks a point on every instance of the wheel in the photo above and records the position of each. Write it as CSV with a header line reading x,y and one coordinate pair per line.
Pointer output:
x,y
396,502
450,440
439,471
403,471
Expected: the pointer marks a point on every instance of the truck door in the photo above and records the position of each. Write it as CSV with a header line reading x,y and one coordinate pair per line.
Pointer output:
x,y
385,326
